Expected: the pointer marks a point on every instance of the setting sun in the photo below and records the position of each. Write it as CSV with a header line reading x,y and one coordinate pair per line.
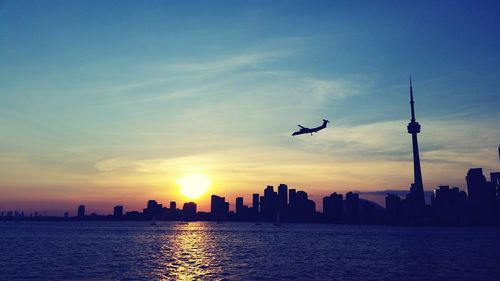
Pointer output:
x,y
194,185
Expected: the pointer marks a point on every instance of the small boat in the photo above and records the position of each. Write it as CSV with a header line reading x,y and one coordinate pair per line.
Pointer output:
x,y
183,222
277,222
153,221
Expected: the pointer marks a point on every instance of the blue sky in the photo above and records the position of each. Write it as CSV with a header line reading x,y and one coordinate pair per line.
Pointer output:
x,y
111,101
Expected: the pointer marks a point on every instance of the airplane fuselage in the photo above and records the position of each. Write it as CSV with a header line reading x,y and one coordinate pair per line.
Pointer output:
x,y
304,130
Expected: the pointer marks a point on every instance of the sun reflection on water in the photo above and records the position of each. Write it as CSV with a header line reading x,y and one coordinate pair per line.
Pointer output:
x,y
190,254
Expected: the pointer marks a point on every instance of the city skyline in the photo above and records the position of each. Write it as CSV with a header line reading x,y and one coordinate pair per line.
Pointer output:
x,y
478,206
485,200
93,115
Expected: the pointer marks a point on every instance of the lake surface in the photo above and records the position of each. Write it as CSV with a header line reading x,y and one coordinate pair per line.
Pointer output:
x,y
244,251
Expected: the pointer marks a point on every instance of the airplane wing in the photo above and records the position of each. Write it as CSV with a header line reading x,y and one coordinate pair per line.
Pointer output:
x,y
302,127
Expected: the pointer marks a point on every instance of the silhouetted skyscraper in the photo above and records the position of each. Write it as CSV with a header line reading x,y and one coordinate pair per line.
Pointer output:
x,y
448,205
81,211
282,197
417,189
495,181
255,202
481,196
333,207
352,207
152,204
219,208
269,204
118,211
304,207
153,209
292,198
189,210
476,184
173,205
239,205
393,207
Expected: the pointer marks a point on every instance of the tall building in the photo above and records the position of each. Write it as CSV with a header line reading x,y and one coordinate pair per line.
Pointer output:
x,y
416,198
219,208
81,211
173,205
153,209
292,197
255,202
495,181
449,205
333,207
476,185
282,197
239,205
304,207
481,197
393,207
189,209
269,204
152,204
352,207
118,211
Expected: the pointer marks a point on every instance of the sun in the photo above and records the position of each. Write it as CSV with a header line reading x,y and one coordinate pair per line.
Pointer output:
x,y
194,185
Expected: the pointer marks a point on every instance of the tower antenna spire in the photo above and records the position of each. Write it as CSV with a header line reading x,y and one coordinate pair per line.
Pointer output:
x,y
417,188
412,103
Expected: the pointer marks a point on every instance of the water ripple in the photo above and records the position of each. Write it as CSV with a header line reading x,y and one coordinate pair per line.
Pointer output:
x,y
244,251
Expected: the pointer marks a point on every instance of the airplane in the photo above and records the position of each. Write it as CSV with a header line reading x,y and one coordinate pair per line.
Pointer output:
x,y
304,130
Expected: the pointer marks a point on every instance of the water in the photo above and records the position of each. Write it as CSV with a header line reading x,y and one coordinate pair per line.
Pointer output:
x,y
244,251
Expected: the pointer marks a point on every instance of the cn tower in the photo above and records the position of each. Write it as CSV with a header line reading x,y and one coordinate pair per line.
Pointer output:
x,y
417,189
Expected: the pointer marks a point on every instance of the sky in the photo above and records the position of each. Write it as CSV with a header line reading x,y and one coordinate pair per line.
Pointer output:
x,y
111,102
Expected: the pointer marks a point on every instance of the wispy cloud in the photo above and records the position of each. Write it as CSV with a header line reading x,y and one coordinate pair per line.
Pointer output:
x,y
228,63
259,76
